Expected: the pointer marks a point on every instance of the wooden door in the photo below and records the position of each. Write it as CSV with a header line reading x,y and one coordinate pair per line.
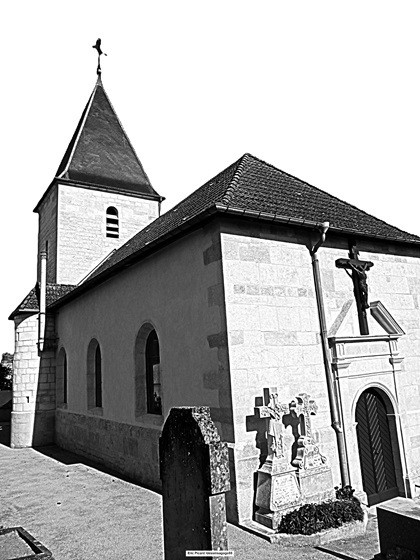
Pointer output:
x,y
375,448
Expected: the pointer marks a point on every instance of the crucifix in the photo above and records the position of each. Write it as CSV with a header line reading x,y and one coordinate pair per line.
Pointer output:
x,y
307,452
304,407
273,412
357,270
97,46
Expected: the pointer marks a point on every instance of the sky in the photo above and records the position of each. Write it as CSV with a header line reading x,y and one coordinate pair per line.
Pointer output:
x,y
327,91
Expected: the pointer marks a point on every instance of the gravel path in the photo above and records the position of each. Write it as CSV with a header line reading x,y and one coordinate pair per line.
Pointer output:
x,y
82,513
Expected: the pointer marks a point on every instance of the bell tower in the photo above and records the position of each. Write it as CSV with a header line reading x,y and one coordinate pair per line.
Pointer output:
x,y
99,198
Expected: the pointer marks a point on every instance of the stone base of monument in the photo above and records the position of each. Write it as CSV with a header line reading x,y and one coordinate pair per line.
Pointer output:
x,y
16,543
346,531
316,485
276,495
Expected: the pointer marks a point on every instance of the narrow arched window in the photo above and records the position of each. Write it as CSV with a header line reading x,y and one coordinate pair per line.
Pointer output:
x,y
98,377
61,378
65,379
153,385
112,222
94,376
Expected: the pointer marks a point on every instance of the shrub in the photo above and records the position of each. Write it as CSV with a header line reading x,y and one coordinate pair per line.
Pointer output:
x,y
312,518
345,493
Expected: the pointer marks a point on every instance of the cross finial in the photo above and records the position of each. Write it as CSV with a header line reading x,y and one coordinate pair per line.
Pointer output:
x,y
97,46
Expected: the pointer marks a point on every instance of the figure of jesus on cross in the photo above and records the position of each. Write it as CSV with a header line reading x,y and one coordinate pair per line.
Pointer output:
x,y
358,275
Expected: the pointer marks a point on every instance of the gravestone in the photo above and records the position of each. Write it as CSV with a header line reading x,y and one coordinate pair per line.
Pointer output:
x,y
194,468
289,478
313,472
399,529
277,485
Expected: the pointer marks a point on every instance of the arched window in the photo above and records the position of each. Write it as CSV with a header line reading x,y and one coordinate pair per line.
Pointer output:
x,y
98,377
94,376
62,381
112,222
154,401
148,388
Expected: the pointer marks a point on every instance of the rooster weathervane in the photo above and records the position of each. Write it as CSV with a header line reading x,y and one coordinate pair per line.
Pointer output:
x,y
97,46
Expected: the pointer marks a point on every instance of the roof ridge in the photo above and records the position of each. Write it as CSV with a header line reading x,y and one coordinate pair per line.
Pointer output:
x,y
226,199
78,132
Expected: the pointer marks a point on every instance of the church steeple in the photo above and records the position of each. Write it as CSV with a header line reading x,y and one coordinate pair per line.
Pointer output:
x,y
99,198
100,153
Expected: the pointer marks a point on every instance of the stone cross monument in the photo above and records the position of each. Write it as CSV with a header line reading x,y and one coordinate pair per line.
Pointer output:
x,y
288,478
277,484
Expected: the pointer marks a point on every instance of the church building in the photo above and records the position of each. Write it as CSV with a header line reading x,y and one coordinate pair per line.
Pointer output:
x,y
290,313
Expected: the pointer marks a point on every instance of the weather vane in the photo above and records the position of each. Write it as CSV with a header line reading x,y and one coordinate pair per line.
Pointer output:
x,y
97,46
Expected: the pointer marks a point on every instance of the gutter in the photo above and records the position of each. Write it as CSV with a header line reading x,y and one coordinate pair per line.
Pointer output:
x,y
331,383
187,224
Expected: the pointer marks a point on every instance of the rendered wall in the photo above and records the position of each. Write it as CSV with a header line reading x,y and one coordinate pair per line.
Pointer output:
x,y
273,337
47,232
81,228
179,291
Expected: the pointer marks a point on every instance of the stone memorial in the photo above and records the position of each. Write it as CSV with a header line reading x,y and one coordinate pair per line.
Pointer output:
x,y
399,529
289,478
277,485
194,468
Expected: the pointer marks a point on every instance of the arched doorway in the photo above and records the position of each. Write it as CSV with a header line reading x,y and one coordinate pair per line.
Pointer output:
x,y
378,446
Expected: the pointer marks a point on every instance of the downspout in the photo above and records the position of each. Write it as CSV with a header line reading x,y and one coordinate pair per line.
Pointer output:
x,y
332,393
42,300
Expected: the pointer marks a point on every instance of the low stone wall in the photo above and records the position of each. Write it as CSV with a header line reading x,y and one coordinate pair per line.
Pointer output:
x,y
125,448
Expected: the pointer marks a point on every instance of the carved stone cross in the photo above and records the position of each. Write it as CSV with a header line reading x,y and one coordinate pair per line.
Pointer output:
x,y
358,275
273,412
307,452
304,407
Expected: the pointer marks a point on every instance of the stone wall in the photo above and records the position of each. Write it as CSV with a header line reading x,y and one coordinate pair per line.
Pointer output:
x,y
274,341
395,281
33,384
124,448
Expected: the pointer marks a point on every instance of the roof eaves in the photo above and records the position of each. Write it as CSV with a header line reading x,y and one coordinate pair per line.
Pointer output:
x,y
267,216
20,310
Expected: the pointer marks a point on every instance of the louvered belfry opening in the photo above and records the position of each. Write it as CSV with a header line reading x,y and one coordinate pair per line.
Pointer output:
x,y
375,448
112,223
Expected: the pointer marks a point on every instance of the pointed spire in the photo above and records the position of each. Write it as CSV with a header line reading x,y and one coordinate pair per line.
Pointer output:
x,y
100,153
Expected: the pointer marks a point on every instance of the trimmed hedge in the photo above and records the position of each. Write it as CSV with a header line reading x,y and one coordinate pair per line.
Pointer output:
x,y
312,518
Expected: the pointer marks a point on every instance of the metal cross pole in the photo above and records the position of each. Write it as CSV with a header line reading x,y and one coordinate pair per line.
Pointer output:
x,y
358,275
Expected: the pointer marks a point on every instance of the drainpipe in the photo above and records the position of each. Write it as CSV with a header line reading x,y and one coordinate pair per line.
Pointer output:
x,y
332,394
42,300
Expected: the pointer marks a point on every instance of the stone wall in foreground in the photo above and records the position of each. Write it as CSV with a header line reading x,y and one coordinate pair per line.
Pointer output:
x,y
124,448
